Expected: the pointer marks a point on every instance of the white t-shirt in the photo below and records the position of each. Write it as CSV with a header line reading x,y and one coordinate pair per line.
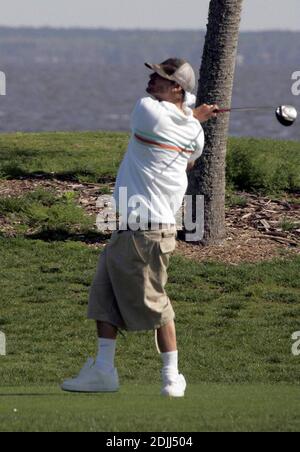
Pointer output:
x,y
152,176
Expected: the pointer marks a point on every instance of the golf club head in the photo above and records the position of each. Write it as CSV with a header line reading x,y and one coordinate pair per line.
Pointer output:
x,y
286,115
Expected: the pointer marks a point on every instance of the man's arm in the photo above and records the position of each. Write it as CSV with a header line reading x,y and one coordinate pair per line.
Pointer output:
x,y
146,115
190,166
205,112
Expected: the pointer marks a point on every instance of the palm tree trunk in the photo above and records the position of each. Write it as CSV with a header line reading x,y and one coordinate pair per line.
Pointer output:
x,y
215,86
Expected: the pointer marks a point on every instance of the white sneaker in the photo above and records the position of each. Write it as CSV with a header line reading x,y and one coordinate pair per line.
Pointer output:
x,y
91,379
174,388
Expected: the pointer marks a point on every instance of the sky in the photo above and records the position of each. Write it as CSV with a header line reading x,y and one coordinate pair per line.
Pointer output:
x,y
142,14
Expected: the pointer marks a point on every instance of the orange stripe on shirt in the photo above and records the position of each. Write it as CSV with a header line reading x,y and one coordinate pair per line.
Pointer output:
x,y
169,147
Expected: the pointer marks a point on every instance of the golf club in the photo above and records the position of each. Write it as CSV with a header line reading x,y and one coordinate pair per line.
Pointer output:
x,y
285,114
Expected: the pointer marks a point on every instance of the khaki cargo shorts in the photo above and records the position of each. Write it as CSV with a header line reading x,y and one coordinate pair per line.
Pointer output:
x,y
128,290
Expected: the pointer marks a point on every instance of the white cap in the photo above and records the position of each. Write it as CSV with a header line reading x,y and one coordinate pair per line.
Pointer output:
x,y
176,70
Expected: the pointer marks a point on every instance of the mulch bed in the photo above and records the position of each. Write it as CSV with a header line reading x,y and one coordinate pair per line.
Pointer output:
x,y
254,231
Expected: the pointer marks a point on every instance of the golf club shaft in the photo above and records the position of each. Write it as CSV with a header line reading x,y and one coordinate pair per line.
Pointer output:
x,y
227,110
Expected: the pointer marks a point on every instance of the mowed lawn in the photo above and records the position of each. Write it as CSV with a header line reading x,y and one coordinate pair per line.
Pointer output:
x,y
252,164
234,322
139,408
234,327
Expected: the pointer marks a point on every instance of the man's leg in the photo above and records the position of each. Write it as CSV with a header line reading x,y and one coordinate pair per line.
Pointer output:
x,y
174,385
100,376
166,337
107,335
106,331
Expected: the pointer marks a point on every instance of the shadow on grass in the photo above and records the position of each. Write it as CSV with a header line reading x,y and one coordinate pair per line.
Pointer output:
x,y
19,394
60,393
12,172
91,237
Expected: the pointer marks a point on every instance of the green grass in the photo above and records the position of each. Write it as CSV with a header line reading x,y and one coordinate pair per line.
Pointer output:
x,y
288,225
234,323
45,212
268,166
234,200
84,156
139,408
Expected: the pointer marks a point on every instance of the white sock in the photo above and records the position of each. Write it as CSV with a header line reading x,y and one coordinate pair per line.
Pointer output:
x,y
105,360
170,365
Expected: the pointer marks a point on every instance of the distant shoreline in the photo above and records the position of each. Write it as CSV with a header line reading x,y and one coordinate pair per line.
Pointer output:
x,y
23,28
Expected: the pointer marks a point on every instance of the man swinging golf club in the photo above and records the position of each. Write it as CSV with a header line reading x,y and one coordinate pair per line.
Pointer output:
x,y
128,291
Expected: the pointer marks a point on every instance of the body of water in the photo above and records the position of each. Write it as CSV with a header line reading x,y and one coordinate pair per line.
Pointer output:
x,y
49,90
